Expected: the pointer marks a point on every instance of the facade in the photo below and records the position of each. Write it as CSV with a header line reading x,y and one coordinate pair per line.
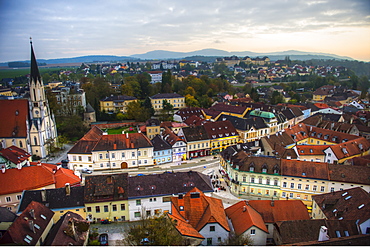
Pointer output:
x,y
153,128
197,141
174,99
71,101
151,194
178,145
162,151
97,151
118,103
322,92
221,134
156,76
105,197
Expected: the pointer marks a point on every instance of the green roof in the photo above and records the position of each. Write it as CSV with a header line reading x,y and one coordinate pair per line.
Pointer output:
x,y
263,114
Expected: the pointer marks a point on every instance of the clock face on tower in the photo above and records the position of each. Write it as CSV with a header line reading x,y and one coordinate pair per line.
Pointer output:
x,y
37,112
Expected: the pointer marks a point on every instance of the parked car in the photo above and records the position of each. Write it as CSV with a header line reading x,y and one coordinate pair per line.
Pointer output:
x,y
103,239
85,170
105,221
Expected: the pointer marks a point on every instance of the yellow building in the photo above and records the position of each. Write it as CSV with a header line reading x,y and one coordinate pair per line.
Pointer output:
x,y
322,92
106,197
174,99
117,103
221,134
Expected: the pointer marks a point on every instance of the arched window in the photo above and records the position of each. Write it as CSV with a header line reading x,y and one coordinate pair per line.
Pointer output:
x,y
35,140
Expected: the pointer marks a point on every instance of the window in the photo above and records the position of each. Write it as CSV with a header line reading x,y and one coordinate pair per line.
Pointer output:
x,y
292,185
133,154
307,187
291,195
346,233
97,209
79,158
260,180
137,214
252,179
138,153
114,207
244,179
212,228
89,158
106,208
283,194
113,155
264,170
8,199
209,241
299,186
138,202
123,207
253,231
268,181
123,155
322,189
338,234
276,182
251,169
107,155
19,197
181,208
100,156
284,184
332,189
88,209
314,188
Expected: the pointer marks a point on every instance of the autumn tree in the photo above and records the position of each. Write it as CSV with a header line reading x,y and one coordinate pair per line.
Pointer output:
x,y
158,230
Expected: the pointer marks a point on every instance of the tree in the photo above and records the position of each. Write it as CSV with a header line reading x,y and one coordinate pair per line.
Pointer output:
x,y
190,101
237,240
157,230
239,77
136,111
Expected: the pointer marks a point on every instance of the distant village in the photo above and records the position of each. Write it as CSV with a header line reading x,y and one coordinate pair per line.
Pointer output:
x,y
277,171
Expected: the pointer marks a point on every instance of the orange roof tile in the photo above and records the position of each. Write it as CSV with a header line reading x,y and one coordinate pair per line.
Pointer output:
x,y
311,149
63,176
185,228
27,178
243,217
350,148
281,210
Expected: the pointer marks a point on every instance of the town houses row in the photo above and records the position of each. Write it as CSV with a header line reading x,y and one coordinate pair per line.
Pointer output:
x,y
187,199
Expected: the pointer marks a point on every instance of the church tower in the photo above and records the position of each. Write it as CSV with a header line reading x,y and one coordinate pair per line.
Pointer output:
x,y
43,131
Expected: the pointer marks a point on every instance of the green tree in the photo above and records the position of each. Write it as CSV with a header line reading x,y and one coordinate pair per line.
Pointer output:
x,y
276,98
136,111
239,77
190,101
158,230
190,91
237,240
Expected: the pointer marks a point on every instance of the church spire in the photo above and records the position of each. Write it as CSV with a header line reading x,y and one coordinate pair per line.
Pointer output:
x,y
35,74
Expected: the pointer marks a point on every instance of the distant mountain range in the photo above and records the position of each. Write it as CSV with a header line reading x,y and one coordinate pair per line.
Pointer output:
x,y
212,54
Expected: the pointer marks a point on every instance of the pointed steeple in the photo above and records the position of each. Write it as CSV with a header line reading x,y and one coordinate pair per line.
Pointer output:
x,y
35,74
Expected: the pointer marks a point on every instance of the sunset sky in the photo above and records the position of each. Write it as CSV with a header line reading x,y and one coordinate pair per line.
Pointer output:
x,y
61,29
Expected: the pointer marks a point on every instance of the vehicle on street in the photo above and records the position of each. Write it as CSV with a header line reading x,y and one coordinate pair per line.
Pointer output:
x,y
85,170
103,239
105,221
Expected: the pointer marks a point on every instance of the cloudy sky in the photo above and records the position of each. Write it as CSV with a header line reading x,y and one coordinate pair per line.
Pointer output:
x,y
86,27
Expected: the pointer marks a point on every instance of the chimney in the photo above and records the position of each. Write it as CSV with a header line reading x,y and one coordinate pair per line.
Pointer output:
x,y
32,213
68,189
244,208
43,195
323,234
39,163
32,226
19,166
127,135
3,169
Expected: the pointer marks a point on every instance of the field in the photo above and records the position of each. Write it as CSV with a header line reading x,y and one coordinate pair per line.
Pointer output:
x,y
12,73
119,130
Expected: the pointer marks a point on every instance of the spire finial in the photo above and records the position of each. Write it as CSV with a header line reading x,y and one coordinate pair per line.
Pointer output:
x,y
31,40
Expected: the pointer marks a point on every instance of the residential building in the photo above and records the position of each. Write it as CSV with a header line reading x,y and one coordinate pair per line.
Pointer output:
x,y
250,176
174,99
183,114
156,76
221,108
70,229
153,128
116,103
31,227
246,221
34,177
321,231
151,194
178,145
221,134
162,151
314,153
322,92
14,157
98,151
105,197
347,176
350,204
197,141
70,100
202,213
58,200
269,118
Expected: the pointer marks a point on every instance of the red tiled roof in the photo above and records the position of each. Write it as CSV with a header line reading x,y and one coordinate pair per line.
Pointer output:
x,y
200,211
281,210
15,154
309,169
311,149
321,105
63,176
93,134
14,114
184,227
228,108
350,148
243,217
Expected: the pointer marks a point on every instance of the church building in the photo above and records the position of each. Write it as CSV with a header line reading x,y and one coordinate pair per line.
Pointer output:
x,y
29,126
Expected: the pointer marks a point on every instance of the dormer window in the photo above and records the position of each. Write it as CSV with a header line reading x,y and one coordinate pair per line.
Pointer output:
x,y
251,169
344,150
326,137
264,168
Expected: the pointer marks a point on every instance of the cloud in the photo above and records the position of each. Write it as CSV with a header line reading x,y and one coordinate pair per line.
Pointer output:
x,y
62,28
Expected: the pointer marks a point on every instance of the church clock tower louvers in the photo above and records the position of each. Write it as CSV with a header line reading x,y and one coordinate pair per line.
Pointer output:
x,y
43,133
